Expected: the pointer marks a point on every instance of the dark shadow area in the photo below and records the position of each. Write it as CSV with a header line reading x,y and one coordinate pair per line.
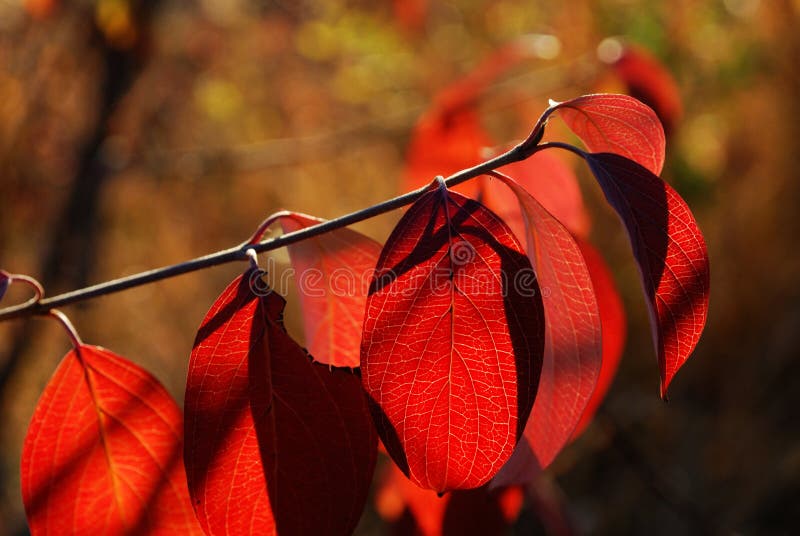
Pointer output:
x,y
316,440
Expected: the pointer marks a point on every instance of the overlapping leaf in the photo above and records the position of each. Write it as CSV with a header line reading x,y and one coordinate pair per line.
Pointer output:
x,y
103,452
545,176
572,350
332,273
669,250
619,124
452,343
275,443
614,325
554,185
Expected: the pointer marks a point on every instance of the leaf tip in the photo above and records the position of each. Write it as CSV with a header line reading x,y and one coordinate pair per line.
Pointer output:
x,y
663,390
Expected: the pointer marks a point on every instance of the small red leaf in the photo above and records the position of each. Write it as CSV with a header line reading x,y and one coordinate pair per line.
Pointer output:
x,y
650,82
670,252
619,124
274,442
452,343
554,185
103,452
572,349
615,326
332,273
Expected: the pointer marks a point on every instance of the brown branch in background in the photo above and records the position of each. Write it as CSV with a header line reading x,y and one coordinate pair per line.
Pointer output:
x,y
70,254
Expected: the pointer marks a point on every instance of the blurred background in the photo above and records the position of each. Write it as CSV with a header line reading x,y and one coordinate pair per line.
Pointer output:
x,y
135,134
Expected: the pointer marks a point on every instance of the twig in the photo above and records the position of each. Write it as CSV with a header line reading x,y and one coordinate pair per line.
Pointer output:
x,y
238,253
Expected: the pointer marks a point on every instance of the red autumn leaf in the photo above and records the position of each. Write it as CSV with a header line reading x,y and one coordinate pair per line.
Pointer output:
x,y
649,81
670,252
554,185
332,273
572,348
442,143
619,124
449,136
274,442
614,323
452,343
412,510
103,452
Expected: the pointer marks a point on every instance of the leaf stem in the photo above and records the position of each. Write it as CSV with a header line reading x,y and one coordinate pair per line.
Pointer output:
x,y
560,145
38,289
68,327
238,253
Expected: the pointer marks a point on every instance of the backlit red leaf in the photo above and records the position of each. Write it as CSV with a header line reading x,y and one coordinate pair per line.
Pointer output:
x,y
275,443
649,81
449,136
670,252
615,327
103,452
332,273
554,185
452,343
572,349
619,124
442,143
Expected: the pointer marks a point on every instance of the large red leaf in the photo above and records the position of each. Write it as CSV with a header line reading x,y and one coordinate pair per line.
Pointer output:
x,y
275,444
452,343
103,452
332,273
619,124
670,252
554,185
614,324
572,348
